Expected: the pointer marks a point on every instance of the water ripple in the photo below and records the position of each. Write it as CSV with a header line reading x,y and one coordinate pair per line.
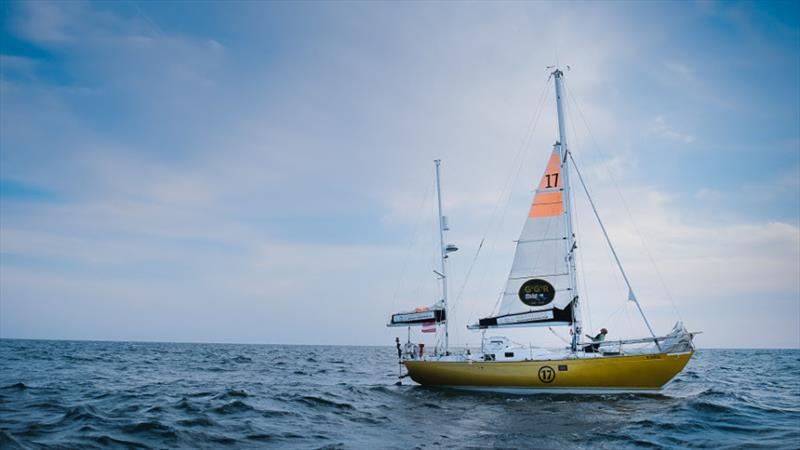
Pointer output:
x,y
136,395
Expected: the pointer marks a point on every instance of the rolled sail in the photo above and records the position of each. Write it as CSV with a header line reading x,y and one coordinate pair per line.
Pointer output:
x,y
418,317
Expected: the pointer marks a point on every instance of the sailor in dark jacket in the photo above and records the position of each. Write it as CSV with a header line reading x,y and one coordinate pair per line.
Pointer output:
x,y
601,336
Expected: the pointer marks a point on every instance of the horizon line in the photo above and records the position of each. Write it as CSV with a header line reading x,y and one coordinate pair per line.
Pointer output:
x,y
305,345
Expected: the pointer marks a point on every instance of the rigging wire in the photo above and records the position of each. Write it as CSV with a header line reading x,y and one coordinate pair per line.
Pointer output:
x,y
628,316
469,272
140,12
558,335
507,186
631,295
624,202
615,312
585,293
417,231
615,275
497,302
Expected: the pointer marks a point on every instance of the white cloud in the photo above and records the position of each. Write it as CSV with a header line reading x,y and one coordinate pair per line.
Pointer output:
x,y
660,127
682,71
205,140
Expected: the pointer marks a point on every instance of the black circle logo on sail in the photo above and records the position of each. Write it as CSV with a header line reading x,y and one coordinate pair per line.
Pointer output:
x,y
536,292
547,374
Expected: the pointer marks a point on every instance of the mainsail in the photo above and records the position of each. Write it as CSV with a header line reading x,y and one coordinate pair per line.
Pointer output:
x,y
538,290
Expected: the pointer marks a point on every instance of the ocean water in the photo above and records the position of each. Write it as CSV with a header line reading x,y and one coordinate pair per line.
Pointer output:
x,y
66,394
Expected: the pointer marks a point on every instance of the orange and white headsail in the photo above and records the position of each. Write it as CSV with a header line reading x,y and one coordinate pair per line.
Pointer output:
x,y
538,288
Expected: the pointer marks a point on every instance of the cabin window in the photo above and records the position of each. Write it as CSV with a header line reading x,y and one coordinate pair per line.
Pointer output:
x,y
509,354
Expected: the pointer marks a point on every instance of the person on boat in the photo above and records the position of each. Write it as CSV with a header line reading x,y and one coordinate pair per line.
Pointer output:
x,y
399,350
601,336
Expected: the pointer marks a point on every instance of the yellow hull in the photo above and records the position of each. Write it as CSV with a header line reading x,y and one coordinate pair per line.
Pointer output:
x,y
613,373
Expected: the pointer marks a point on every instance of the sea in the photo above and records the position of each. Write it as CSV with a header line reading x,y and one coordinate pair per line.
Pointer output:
x,y
71,394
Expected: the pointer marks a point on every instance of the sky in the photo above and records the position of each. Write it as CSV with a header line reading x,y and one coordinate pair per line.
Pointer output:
x,y
262,172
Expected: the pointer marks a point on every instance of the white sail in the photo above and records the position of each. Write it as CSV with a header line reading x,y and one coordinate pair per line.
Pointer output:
x,y
538,287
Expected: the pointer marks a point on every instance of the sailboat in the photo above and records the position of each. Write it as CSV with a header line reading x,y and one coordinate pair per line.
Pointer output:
x,y
542,291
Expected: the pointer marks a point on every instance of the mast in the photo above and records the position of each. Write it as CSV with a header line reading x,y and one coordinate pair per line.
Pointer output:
x,y
443,249
564,152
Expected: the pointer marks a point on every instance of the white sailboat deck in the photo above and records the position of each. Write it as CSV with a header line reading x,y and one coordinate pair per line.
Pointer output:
x,y
501,349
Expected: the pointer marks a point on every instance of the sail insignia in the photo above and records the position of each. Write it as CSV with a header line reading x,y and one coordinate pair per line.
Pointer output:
x,y
536,292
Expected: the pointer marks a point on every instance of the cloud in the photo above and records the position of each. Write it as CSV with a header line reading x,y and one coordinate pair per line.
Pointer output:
x,y
265,179
659,127
18,66
682,71
48,22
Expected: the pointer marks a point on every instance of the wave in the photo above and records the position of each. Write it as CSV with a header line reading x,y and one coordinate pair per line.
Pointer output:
x,y
185,405
197,422
200,394
220,439
236,406
231,393
261,437
285,397
7,440
683,426
315,401
266,437
151,427
108,441
276,413
708,407
370,419
82,413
